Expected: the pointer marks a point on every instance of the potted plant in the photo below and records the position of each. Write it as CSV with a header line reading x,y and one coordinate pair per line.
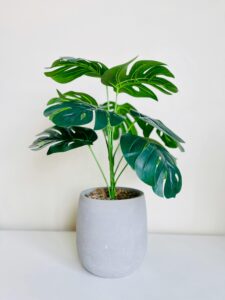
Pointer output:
x,y
111,221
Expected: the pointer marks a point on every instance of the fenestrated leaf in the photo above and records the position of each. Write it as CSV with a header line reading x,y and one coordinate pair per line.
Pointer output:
x,y
67,69
73,96
167,135
136,82
64,139
153,164
146,127
76,113
168,141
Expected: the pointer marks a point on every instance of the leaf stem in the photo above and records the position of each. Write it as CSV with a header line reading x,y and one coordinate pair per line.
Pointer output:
x,y
99,166
107,95
121,172
116,101
131,125
105,139
117,167
112,186
117,148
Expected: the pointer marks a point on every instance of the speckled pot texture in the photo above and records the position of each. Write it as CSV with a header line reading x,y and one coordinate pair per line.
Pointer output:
x,y
111,234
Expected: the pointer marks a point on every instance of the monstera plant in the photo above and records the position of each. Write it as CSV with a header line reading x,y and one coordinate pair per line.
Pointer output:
x,y
121,124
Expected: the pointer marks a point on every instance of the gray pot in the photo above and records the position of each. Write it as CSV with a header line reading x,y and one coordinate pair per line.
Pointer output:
x,y
111,234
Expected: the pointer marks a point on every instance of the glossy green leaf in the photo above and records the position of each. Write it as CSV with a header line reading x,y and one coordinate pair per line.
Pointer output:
x,y
168,141
64,139
136,82
167,135
73,96
67,69
76,113
146,127
153,164
124,111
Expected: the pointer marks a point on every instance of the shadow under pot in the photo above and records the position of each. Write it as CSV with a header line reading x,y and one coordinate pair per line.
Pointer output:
x,y
111,234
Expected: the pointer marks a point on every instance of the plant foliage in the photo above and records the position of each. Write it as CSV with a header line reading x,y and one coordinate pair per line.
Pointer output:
x,y
75,113
64,139
136,82
67,69
153,164
71,111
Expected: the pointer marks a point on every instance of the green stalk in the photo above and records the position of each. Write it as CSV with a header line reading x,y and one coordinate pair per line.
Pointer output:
x,y
112,192
112,184
121,172
99,166
131,125
115,109
117,167
117,148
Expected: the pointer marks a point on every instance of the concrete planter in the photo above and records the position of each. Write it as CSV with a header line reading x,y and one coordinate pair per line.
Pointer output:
x,y
111,234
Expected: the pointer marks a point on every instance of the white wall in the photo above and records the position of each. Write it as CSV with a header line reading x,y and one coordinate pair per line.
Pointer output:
x,y
40,192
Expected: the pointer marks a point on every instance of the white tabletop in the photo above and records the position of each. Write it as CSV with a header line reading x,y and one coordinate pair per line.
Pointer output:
x,y
44,266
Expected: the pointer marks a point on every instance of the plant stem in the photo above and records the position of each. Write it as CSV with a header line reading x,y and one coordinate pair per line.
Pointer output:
x,y
117,148
131,125
121,172
117,167
116,102
99,166
112,192
112,185
105,139
107,97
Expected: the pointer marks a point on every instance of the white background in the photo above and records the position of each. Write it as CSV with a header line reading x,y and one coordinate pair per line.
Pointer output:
x,y
40,192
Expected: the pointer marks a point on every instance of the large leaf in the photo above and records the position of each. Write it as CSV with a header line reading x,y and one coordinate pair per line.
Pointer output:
x,y
67,69
153,164
64,139
76,113
136,82
170,138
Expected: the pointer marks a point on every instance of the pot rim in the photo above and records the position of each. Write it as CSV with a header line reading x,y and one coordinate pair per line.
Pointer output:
x,y
87,191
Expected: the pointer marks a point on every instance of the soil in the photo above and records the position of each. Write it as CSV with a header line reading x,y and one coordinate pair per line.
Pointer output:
x,y
121,193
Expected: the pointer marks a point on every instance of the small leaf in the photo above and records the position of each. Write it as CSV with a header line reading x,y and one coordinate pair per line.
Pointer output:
x,y
64,139
67,69
153,164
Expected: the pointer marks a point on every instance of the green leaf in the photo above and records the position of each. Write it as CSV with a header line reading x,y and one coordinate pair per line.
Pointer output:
x,y
136,82
146,127
64,139
101,119
67,69
153,164
167,135
73,96
124,111
76,113
168,141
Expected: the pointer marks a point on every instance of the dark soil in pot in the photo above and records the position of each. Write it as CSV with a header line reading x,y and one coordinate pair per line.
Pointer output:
x,y
121,193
